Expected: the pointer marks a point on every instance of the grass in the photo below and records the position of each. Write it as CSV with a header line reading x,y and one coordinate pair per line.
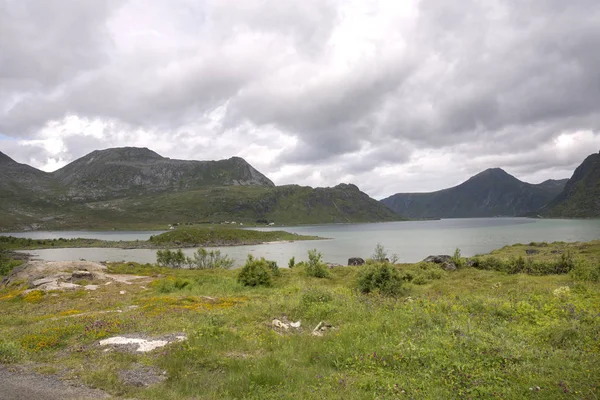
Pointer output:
x,y
465,334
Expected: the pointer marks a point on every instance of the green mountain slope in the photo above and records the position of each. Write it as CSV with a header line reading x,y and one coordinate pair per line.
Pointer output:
x,y
490,193
581,195
287,205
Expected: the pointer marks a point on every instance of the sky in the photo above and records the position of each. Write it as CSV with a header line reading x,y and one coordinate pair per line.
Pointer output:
x,y
393,96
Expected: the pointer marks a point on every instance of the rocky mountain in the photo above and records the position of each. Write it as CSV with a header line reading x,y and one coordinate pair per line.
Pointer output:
x,y
490,193
122,171
581,195
134,187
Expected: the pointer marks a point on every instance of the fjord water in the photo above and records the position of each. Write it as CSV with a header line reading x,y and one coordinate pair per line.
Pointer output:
x,y
411,241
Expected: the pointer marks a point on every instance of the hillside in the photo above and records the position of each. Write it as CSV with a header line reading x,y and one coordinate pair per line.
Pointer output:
x,y
581,195
137,188
490,193
27,195
124,171
285,205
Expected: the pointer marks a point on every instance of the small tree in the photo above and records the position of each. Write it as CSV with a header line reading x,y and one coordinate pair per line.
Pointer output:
x,y
171,259
213,259
380,255
255,273
292,262
457,258
315,265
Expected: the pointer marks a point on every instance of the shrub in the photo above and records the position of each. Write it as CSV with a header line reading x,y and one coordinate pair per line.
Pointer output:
x,y
585,271
380,255
383,278
292,262
457,259
315,265
171,259
256,272
204,259
273,267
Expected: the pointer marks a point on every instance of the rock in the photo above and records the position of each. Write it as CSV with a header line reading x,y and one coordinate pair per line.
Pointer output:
x,y
140,345
474,263
90,287
354,261
285,324
333,265
82,274
440,259
448,266
321,328
530,252
556,251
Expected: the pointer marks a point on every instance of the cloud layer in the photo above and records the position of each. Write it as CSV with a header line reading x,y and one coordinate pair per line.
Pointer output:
x,y
393,96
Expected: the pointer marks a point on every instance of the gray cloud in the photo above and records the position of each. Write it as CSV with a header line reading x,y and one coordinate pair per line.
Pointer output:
x,y
391,97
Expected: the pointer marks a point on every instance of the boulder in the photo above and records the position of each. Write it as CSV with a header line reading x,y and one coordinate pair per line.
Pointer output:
x,y
440,259
82,274
530,252
448,266
355,261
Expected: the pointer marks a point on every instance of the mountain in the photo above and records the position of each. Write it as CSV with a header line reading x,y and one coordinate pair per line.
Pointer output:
x,y
490,193
134,187
581,195
122,171
26,194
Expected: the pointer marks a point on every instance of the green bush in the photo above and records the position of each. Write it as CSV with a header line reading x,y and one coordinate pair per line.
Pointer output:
x,y
292,262
204,259
585,271
380,278
256,272
171,259
520,265
315,266
273,267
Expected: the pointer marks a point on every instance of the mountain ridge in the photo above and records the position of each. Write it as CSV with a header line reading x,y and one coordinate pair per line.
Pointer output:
x,y
136,186
490,193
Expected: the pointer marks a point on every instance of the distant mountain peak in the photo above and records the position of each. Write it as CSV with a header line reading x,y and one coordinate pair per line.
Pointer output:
x,y
126,154
490,193
494,172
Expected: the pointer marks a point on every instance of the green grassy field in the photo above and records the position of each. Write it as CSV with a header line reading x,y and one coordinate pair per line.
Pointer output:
x,y
471,333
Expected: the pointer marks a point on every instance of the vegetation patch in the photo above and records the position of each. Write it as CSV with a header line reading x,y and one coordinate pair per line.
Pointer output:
x,y
468,333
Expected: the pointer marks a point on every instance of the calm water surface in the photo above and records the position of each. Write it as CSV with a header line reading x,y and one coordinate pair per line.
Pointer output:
x,y
412,241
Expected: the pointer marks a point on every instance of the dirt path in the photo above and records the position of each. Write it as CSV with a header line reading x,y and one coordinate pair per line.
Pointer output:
x,y
16,384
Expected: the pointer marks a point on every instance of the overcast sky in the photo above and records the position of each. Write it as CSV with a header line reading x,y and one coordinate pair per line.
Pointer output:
x,y
394,96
